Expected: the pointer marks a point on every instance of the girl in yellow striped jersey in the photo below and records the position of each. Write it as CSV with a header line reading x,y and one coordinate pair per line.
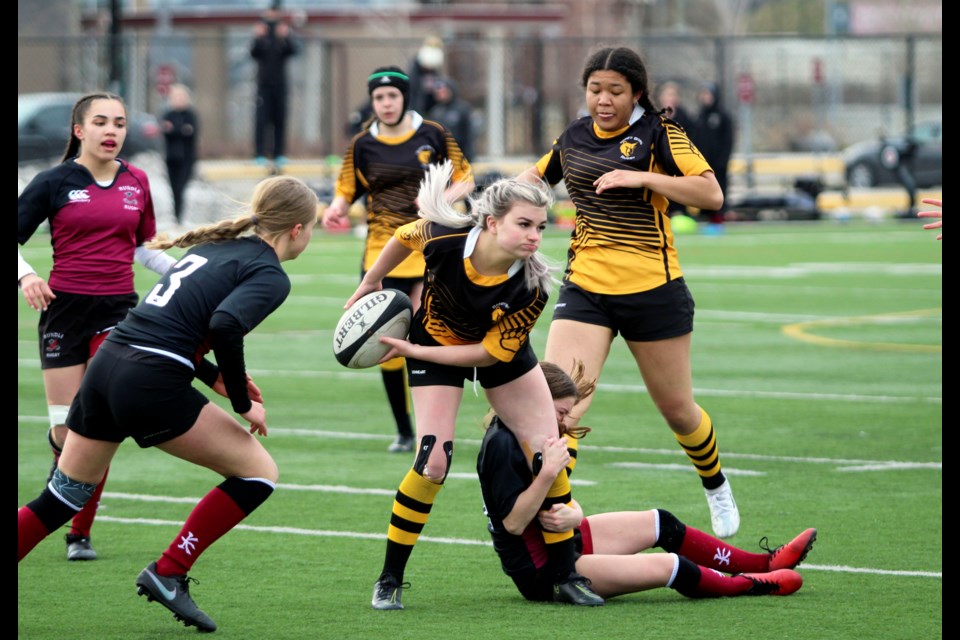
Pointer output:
x,y
386,162
622,165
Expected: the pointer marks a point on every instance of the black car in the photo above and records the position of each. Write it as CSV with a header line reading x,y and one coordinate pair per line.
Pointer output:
x,y
43,125
873,163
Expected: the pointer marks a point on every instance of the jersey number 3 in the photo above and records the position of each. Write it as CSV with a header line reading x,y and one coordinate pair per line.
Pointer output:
x,y
160,295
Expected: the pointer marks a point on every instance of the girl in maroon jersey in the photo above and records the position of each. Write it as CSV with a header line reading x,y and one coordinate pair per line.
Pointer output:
x,y
100,213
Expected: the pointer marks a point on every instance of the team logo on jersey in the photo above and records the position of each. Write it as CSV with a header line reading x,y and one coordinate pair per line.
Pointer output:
x,y
628,147
79,195
425,155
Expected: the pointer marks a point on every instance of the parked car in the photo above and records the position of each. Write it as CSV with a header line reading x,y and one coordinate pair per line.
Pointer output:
x,y
873,163
43,125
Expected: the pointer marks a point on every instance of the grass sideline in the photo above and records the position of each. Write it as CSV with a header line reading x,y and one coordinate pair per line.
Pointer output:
x,y
817,350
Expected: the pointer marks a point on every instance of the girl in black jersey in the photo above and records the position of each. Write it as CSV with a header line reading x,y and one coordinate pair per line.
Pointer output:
x,y
485,286
622,165
139,385
386,162
100,213
609,545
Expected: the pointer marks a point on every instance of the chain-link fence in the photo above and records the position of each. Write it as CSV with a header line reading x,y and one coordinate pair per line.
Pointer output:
x,y
785,92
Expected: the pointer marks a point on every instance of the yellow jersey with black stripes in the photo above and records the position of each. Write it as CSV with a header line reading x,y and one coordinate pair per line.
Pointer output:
x,y
461,306
388,169
622,241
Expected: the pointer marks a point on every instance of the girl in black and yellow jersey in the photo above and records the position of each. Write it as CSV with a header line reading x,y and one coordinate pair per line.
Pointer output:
x,y
386,163
485,286
622,165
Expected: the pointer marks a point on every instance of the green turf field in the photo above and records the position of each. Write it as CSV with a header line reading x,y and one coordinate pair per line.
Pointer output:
x,y
817,351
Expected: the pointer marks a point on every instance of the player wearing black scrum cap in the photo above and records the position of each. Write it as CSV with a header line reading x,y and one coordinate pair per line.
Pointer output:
x,y
386,162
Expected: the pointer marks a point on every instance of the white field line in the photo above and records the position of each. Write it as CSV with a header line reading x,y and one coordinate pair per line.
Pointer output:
x,y
466,542
843,464
609,387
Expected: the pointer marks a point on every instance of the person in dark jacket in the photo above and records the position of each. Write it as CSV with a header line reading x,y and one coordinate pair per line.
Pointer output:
x,y
453,113
180,127
273,45
425,70
670,99
713,135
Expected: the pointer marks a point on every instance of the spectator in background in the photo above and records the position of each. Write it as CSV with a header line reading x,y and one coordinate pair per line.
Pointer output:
x,y
424,73
453,113
713,135
273,45
670,100
180,128
359,118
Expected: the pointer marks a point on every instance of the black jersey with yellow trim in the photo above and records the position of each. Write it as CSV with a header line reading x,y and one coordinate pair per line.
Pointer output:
x,y
389,170
622,242
460,305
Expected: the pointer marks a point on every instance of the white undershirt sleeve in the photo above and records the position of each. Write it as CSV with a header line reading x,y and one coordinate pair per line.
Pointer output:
x,y
154,259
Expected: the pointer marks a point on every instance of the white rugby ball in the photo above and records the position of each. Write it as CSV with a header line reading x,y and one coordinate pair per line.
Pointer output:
x,y
356,341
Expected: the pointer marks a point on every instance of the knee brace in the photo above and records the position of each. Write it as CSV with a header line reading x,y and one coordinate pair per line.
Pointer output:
x,y
58,414
427,443
72,492
537,464
672,531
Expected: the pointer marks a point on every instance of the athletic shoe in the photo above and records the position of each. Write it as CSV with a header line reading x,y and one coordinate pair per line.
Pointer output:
x,y
78,548
173,592
261,161
403,444
724,515
789,555
387,592
781,582
576,590
280,162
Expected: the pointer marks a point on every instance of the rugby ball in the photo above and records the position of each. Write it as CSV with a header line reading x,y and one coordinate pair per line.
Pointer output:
x,y
356,341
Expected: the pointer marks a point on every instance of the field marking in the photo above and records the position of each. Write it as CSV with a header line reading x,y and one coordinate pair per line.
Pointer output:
x,y
685,468
473,543
806,269
603,386
895,466
843,464
800,331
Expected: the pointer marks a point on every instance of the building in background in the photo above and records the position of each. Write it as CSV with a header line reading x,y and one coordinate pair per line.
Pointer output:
x,y
847,69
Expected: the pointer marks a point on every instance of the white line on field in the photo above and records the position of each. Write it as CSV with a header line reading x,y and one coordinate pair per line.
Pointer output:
x,y
843,464
473,543
613,388
685,468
